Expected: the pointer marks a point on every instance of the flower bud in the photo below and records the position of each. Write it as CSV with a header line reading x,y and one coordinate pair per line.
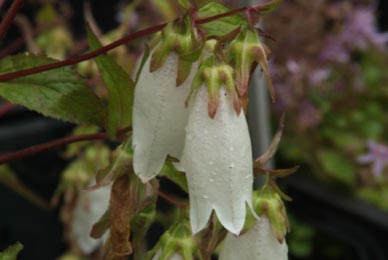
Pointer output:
x,y
175,244
245,52
268,203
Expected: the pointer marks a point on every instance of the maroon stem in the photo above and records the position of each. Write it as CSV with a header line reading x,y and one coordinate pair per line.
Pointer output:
x,y
92,54
2,2
171,200
8,157
10,15
5,108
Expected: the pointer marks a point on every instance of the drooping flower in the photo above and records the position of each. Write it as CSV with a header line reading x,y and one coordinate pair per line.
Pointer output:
x,y
377,156
159,112
258,243
90,206
217,159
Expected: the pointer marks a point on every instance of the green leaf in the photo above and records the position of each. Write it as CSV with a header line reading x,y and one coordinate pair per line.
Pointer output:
x,y
338,166
120,88
11,252
59,93
142,62
184,3
220,26
10,179
266,8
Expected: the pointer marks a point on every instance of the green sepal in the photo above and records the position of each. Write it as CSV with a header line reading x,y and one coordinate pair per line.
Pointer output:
x,y
245,53
179,37
101,226
267,201
177,240
214,73
144,59
122,164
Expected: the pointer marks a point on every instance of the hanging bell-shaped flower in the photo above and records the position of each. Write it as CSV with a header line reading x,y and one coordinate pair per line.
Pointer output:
x,y
217,157
159,112
258,243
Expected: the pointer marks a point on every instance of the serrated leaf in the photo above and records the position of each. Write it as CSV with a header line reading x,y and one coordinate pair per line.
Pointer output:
x,y
120,89
11,252
220,26
59,93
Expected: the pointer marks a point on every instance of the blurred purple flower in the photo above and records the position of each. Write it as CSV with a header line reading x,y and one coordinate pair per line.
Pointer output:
x,y
377,156
309,116
360,29
317,76
334,50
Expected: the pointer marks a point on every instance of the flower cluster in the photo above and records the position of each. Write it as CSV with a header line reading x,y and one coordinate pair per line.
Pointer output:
x,y
188,106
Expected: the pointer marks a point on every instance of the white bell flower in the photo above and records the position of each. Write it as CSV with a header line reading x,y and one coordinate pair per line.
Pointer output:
x,y
159,117
90,206
217,159
258,243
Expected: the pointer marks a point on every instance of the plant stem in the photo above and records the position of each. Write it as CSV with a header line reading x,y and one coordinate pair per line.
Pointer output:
x,y
104,49
171,200
10,15
12,156
6,108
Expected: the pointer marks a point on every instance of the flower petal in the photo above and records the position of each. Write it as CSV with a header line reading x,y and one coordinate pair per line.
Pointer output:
x,y
159,117
89,207
218,162
258,243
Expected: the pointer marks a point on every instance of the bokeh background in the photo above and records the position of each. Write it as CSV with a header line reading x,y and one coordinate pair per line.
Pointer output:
x,y
329,66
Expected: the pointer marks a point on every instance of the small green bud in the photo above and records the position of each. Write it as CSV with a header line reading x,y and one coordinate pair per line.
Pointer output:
x,y
267,202
245,52
176,243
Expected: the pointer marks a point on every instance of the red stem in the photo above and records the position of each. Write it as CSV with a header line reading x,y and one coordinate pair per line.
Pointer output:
x,y
10,15
8,157
171,200
92,54
5,108
2,2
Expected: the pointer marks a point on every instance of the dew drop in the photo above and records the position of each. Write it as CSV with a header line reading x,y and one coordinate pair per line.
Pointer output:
x,y
211,180
231,166
205,196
